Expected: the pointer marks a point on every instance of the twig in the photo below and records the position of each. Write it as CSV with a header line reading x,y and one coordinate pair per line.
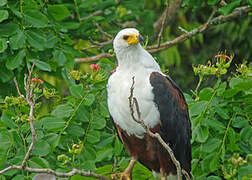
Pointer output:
x,y
96,13
169,15
132,102
99,45
238,12
101,30
56,173
16,84
162,26
93,58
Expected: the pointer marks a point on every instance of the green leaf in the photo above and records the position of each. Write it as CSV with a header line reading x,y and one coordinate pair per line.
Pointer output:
x,y
3,45
75,130
229,7
62,111
38,162
221,89
105,154
77,91
82,114
118,146
59,57
58,11
53,139
5,140
5,74
41,148
16,61
230,93
206,94
36,39
244,171
240,122
51,40
88,166
213,178
7,29
98,122
234,81
211,145
17,41
223,113
42,65
212,2
89,152
89,100
202,134
7,120
19,177
197,108
246,133
3,2
53,123
35,18
214,163
3,15
93,136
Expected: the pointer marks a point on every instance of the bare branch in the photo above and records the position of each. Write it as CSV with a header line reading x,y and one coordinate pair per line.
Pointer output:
x,y
169,15
101,30
16,84
238,12
133,102
96,13
58,174
93,58
99,45
162,25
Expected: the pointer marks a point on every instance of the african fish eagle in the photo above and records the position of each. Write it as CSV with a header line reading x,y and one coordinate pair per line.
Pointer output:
x,y
161,103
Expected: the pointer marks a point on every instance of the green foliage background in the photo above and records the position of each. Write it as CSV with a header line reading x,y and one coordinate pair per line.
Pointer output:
x,y
71,118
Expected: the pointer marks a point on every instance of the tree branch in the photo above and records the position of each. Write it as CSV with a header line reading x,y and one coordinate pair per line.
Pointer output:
x,y
58,174
167,17
93,58
96,13
133,102
238,12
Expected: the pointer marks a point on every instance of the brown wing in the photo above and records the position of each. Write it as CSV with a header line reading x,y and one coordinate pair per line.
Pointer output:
x,y
174,116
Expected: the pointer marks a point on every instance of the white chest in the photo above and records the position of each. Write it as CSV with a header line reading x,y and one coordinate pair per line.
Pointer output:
x,y
118,88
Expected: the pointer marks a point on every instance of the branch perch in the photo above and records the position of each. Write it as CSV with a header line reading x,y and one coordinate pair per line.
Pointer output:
x,y
133,102
238,12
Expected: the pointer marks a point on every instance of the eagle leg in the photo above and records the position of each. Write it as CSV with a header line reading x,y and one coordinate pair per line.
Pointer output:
x,y
127,174
163,175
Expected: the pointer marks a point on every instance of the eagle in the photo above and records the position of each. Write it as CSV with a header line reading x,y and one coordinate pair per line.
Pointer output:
x,y
162,106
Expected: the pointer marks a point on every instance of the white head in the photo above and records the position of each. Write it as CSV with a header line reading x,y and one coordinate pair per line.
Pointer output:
x,y
127,38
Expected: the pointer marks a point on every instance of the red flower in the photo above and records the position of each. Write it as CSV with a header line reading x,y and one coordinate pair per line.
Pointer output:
x,y
37,80
94,66
223,56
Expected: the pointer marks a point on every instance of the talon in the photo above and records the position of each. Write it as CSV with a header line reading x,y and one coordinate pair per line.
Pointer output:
x,y
122,176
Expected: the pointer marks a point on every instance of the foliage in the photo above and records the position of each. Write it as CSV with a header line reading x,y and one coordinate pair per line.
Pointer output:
x,y
71,116
221,123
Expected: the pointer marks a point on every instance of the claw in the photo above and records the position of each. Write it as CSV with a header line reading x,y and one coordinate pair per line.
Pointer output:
x,y
122,176
126,175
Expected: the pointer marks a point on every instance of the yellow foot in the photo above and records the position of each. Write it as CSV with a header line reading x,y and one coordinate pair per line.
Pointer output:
x,y
122,176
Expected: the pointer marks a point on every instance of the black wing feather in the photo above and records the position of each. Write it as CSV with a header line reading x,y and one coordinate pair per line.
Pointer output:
x,y
174,116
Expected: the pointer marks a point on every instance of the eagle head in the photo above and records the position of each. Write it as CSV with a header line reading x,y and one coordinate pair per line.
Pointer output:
x,y
126,38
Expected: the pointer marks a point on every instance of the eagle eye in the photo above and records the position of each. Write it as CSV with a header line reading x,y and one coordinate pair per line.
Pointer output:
x,y
125,37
